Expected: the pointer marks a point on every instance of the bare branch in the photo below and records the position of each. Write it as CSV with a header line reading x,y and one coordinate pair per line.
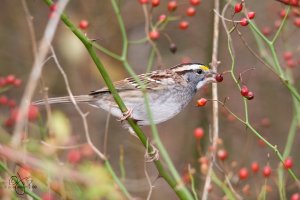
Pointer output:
x,y
215,106
36,73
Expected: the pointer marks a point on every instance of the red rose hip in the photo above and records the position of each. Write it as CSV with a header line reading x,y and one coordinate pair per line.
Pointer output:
x,y
201,102
238,7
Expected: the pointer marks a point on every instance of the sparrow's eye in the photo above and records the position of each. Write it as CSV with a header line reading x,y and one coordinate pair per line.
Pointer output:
x,y
199,71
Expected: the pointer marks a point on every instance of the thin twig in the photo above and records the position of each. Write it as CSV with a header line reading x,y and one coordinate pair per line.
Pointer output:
x,y
154,46
148,178
61,146
106,132
215,106
83,115
36,73
30,27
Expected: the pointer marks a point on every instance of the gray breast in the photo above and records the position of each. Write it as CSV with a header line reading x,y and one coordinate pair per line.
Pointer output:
x,y
164,105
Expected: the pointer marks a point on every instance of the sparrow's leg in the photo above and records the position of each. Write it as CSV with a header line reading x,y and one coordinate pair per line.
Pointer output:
x,y
126,115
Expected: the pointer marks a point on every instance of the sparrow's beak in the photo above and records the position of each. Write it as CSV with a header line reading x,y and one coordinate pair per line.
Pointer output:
x,y
210,73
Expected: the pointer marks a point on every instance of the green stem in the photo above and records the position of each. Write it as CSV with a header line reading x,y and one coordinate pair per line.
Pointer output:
x,y
107,52
150,61
122,28
223,186
281,25
276,61
143,40
116,179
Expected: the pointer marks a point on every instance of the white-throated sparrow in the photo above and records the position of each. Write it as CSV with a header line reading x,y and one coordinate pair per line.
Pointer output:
x,y
169,91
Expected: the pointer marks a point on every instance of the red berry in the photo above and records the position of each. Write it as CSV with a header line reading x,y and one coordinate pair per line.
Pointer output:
x,y
74,156
3,100
198,133
83,24
250,95
17,82
266,30
24,172
172,5
295,196
162,18
219,77
288,163
294,2
155,3
201,102
261,143
255,167
297,21
143,1
47,196
154,35
244,91
267,171
243,173
222,154
238,7
195,2
277,24
291,63
9,122
287,55
251,15
33,112
265,122
296,12
244,22
53,7
2,82
191,11
10,79
183,25
282,13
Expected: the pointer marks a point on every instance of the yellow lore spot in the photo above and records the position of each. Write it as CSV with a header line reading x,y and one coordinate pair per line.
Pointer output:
x,y
204,68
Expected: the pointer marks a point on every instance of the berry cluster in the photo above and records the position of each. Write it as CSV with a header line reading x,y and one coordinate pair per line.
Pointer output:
x,y
8,82
246,93
289,59
83,24
172,6
250,15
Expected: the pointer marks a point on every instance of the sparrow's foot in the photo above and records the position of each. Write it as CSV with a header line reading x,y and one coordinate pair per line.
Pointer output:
x,y
153,155
126,114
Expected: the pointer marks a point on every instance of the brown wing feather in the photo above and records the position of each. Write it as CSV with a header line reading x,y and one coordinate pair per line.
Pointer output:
x,y
152,81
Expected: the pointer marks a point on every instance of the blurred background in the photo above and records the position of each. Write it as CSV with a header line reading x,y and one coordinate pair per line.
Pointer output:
x,y
270,112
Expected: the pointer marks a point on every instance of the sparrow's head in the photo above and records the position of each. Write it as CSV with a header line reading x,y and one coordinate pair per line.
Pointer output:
x,y
196,73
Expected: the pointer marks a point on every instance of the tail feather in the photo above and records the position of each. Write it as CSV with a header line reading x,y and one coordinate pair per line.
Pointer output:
x,y
66,99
